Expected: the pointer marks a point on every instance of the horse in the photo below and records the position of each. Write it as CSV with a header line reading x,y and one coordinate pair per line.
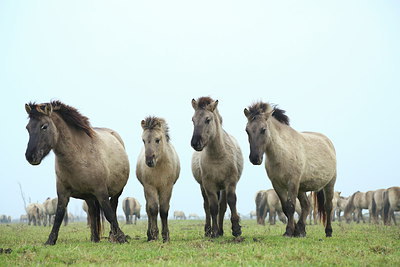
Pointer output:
x,y
86,210
217,165
341,205
377,205
356,203
157,169
259,200
23,218
295,163
34,213
91,163
131,208
193,216
5,219
50,206
270,203
252,214
336,196
391,198
179,215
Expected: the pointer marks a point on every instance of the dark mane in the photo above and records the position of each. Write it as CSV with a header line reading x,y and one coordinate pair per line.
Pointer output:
x,y
152,122
204,101
69,114
259,108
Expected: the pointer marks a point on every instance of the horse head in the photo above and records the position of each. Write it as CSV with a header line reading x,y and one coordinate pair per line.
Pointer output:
x,y
155,136
42,132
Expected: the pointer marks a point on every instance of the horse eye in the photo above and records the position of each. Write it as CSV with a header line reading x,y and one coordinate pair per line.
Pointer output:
x,y
157,141
143,141
208,120
263,130
44,126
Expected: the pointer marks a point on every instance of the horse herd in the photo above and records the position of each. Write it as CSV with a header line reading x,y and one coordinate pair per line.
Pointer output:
x,y
380,203
91,164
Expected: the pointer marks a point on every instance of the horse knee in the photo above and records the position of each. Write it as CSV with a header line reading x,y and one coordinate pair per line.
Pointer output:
x,y
152,209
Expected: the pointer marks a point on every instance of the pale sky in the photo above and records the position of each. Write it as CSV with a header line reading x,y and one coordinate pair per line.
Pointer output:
x,y
333,66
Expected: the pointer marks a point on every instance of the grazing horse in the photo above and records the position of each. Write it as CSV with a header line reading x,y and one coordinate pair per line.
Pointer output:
x,y
179,215
356,203
391,198
217,165
131,208
270,203
193,216
91,163
157,170
295,163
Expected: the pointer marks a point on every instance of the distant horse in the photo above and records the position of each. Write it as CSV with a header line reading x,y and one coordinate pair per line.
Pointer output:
x,y
336,196
252,214
91,163
23,218
377,205
314,212
131,208
260,201
179,215
5,219
217,165
341,205
34,214
50,207
295,162
193,216
356,203
102,218
157,170
391,198
273,207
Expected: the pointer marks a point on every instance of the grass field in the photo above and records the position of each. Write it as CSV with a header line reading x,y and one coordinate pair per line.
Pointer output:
x,y
353,244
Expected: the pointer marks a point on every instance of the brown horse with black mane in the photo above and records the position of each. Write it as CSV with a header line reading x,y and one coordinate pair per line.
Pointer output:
x,y
295,162
91,163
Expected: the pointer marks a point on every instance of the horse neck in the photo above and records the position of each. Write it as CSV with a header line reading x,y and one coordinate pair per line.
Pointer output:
x,y
68,139
275,139
216,145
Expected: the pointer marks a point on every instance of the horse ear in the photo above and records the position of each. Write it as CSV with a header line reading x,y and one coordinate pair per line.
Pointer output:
x,y
268,114
213,106
48,109
143,123
246,113
194,104
28,108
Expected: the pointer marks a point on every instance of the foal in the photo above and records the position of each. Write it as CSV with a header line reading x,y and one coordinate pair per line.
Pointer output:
x,y
157,169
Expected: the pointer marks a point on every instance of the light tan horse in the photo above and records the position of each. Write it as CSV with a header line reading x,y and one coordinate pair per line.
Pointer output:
x,y
273,207
217,165
35,214
157,169
261,202
356,203
391,198
50,206
131,208
341,205
295,163
377,205
178,214
91,163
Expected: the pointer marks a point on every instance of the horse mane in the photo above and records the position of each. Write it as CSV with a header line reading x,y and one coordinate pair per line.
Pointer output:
x,y
204,101
151,123
259,108
69,114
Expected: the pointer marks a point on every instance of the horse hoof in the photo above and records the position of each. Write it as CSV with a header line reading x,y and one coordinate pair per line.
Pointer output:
x,y
286,234
50,243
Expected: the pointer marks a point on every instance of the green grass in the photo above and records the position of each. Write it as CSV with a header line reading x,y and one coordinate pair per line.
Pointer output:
x,y
363,244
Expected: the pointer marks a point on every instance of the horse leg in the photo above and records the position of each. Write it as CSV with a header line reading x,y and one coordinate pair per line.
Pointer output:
x,y
62,203
213,204
152,212
114,205
328,195
207,226
94,219
221,212
231,197
300,228
272,215
116,235
288,201
165,198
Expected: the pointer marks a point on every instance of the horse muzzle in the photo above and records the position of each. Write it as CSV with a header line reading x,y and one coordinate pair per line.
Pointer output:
x,y
197,143
34,158
150,161
256,160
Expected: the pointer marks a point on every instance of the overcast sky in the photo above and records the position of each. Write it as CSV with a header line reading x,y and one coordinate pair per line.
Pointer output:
x,y
333,66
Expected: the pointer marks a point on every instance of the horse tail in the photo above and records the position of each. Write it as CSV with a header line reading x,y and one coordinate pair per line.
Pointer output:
x,y
373,209
319,203
99,213
127,207
258,208
386,208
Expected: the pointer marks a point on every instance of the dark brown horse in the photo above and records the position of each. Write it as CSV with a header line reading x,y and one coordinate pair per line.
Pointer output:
x,y
91,163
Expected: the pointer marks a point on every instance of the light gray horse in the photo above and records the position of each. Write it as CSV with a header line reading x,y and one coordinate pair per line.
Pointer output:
x,y
131,208
391,200
217,165
295,162
91,163
157,169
